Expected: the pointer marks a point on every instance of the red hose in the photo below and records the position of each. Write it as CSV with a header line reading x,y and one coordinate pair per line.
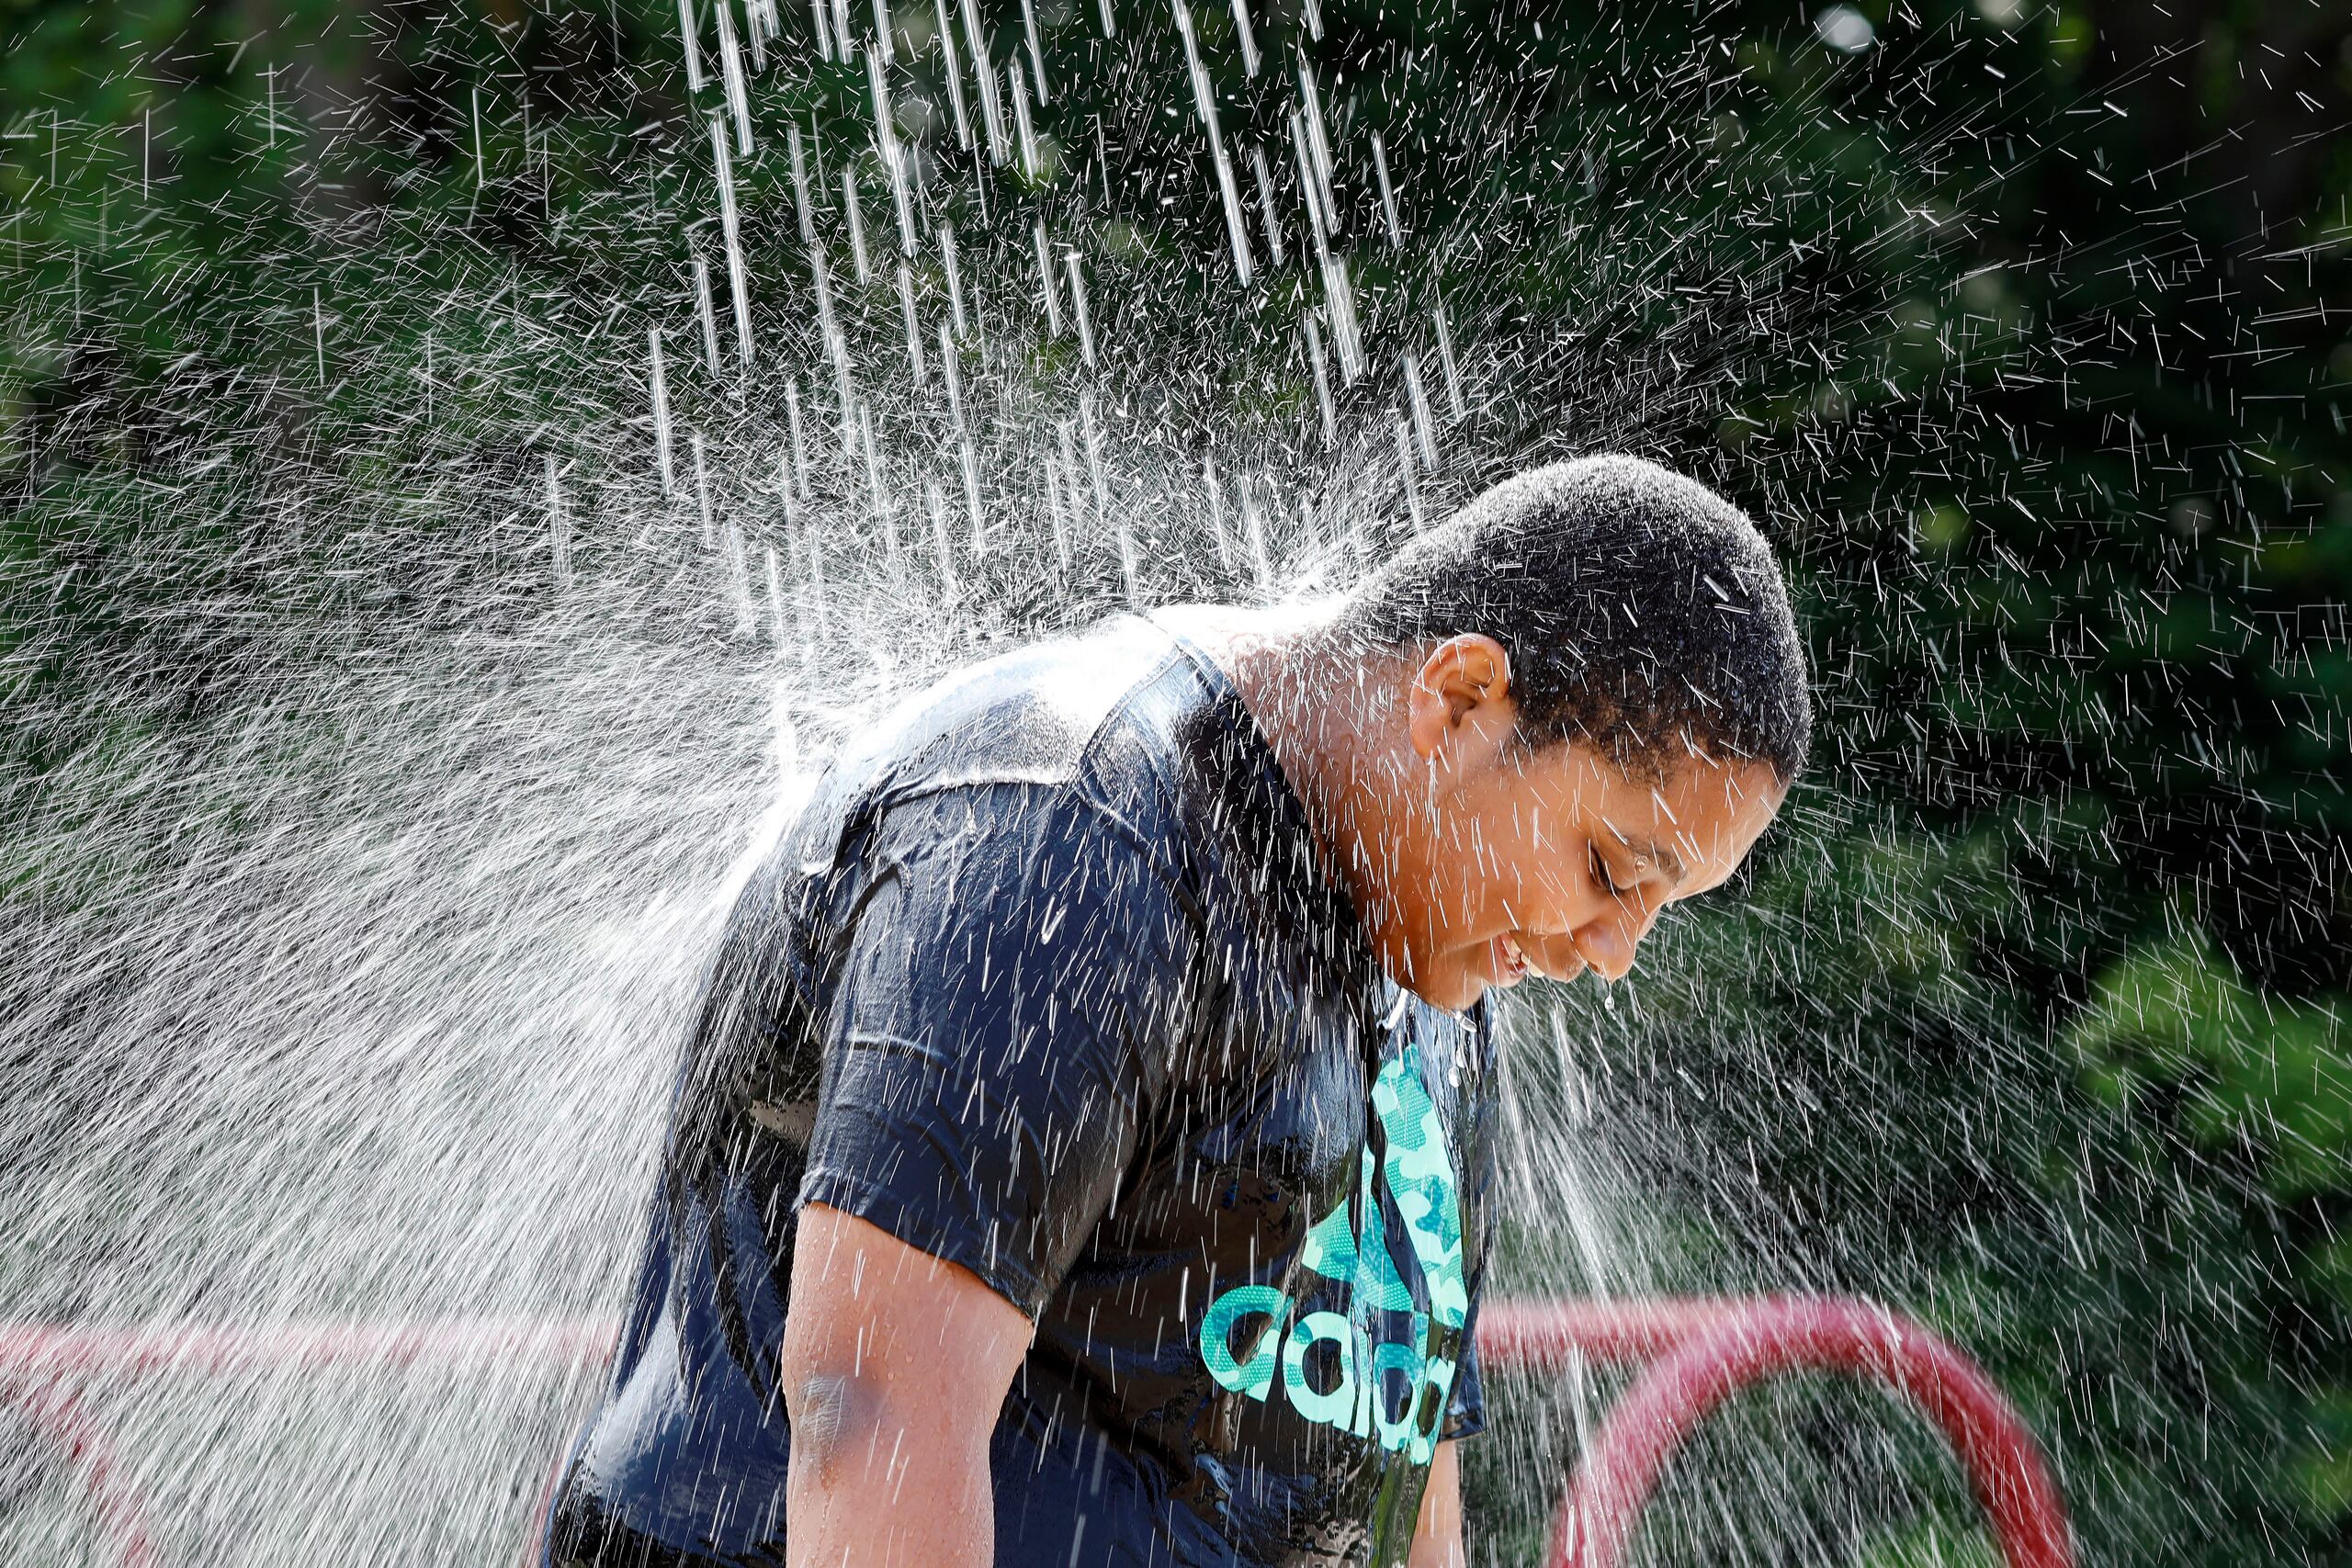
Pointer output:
x,y
1706,1351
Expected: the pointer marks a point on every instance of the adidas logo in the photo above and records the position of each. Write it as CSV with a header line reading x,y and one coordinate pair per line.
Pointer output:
x,y
1390,1390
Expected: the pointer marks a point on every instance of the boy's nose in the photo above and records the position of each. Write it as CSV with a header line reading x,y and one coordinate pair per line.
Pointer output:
x,y
1607,943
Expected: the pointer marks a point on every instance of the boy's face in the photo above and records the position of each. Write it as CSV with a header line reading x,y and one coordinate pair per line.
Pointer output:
x,y
1548,860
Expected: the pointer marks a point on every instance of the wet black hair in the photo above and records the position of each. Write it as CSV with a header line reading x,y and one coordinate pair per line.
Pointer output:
x,y
1643,614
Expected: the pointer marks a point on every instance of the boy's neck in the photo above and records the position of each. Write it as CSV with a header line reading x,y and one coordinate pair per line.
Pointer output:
x,y
1331,714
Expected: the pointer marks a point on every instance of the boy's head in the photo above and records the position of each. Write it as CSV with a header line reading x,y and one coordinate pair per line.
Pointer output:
x,y
1601,675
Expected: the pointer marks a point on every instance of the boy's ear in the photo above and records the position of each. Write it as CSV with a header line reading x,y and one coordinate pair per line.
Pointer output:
x,y
1458,678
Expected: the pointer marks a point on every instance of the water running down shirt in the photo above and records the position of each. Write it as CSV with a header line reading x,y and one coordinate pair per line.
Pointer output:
x,y
1049,980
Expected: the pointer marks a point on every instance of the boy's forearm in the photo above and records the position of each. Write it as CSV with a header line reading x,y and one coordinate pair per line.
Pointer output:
x,y
1437,1536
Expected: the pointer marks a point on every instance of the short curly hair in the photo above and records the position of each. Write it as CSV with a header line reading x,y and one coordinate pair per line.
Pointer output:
x,y
1643,613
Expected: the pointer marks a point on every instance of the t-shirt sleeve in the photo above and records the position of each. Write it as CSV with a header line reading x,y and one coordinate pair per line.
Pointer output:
x,y
1012,985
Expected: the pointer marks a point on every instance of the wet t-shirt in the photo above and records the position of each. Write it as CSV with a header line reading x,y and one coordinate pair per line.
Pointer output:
x,y
1049,980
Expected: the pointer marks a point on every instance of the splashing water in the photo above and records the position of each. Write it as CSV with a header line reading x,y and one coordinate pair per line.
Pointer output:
x,y
401,710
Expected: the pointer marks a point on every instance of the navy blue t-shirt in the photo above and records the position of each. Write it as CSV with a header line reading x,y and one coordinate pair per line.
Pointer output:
x,y
1049,980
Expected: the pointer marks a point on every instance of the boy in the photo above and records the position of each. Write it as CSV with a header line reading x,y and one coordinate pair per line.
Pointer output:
x,y
1081,1155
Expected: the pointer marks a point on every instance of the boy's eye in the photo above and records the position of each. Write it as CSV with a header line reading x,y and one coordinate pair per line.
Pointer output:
x,y
1600,874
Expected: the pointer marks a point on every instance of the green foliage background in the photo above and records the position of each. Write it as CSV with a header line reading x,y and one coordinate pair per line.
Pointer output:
x,y
2034,1020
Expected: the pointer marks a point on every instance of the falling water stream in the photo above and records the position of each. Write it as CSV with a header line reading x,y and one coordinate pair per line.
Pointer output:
x,y
455,674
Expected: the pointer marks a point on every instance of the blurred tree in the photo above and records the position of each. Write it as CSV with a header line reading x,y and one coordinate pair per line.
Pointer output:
x,y
2021,322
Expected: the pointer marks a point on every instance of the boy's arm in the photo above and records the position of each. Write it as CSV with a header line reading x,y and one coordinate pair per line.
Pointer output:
x,y
895,1370
1437,1538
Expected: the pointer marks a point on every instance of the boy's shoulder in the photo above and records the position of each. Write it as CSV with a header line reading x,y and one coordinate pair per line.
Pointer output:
x,y
1040,716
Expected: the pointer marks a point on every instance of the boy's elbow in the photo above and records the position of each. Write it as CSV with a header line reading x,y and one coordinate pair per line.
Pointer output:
x,y
835,1416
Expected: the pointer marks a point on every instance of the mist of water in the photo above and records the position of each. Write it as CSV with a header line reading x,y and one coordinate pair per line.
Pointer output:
x,y
345,982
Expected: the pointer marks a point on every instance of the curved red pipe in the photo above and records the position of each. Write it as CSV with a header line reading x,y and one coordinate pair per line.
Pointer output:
x,y
1706,1351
